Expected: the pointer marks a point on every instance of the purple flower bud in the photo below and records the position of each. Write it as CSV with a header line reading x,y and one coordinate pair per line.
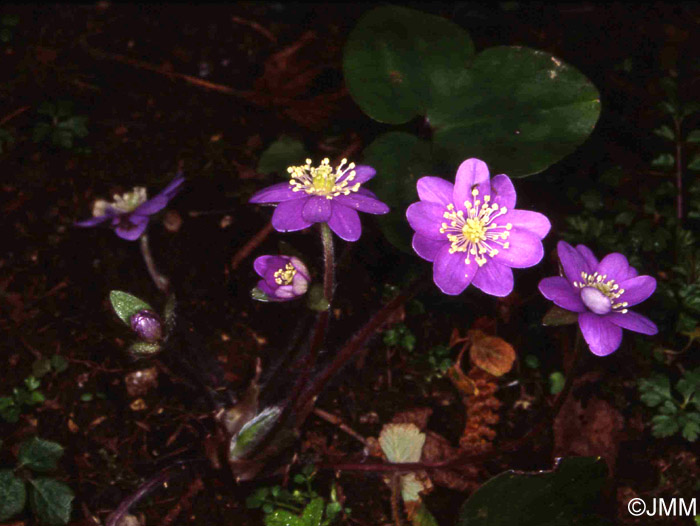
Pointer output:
x,y
284,277
147,326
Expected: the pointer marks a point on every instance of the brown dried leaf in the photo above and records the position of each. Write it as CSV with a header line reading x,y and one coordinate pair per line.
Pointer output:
x,y
491,353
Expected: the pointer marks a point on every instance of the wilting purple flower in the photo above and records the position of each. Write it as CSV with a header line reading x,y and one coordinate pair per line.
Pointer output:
x,y
323,195
147,325
472,232
601,293
284,277
129,213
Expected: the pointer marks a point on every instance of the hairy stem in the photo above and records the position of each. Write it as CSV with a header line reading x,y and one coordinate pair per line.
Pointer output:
x,y
679,172
161,282
396,499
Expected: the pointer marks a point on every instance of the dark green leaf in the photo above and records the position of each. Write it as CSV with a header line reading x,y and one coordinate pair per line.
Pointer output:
x,y
563,497
40,455
13,494
423,517
655,390
664,425
691,427
665,160
126,305
40,367
397,60
665,132
520,111
59,363
252,433
558,316
281,154
51,501
316,300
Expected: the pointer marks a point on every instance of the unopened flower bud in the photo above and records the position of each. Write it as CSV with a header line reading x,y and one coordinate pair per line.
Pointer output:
x,y
147,326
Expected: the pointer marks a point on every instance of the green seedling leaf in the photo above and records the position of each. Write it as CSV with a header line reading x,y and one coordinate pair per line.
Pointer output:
x,y
315,299
259,295
143,349
51,501
40,455
562,497
401,442
32,383
313,513
252,433
126,305
423,517
13,494
281,154
397,60
283,518
556,382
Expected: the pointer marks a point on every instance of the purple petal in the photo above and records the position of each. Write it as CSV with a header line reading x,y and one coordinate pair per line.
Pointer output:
x,y
637,289
130,227
527,220
588,256
160,200
524,250
287,216
263,263
426,219
270,292
94,221
435,190
472,174
345,222
602,336
300,267
562,293
572,262
632,273
427,248
277,193
317,209
613,266
362,203
494,279
633,322
368,193
363,174
450,273
503,191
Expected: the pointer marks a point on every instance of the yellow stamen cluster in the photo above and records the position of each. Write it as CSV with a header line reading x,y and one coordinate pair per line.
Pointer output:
x,y
124,203
323,180
609,288
284,275
476,232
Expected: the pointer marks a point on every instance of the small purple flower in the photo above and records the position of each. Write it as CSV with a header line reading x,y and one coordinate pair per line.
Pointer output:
x,y
284,277
129,213
472,232
601,293
323,195
147,325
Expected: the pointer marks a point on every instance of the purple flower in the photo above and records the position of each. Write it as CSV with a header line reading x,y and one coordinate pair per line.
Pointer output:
x,y
129,213
147,325
472,232
284,277
601,293
323,195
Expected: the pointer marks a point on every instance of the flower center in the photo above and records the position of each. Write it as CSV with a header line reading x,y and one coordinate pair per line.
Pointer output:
x,y
284,275
599,295
476,232
124,203
323,179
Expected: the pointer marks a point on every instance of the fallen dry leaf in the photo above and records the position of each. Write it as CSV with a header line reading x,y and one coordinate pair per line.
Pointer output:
x,y
491,353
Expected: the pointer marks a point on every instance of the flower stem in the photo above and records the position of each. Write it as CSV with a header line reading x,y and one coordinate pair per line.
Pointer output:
x,y
159,279
395,499
328,261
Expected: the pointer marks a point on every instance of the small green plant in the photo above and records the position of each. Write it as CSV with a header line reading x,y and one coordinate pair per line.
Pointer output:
x,y
63,127
50,500
400,336
673,415
300,506
8,23
29,395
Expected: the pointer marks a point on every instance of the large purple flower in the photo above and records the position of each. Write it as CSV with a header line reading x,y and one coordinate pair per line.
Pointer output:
x,y
284,278
323,195
129,213
601,292
472,232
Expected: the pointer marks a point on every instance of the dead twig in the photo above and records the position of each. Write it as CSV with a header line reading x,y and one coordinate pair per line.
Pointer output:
x,y
337,421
